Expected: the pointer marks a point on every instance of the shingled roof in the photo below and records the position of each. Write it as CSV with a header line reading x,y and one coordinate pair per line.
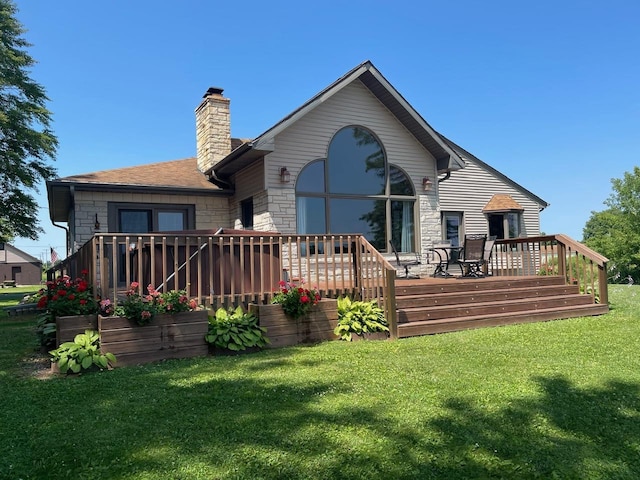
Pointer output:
x,y
176,173
501,202
172,177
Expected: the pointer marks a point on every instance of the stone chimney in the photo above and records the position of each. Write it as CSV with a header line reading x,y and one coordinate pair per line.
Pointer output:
x,y
213,129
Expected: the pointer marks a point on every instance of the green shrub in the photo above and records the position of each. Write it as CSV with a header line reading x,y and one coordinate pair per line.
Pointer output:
x,y
82,353
359,318
45,329
235,330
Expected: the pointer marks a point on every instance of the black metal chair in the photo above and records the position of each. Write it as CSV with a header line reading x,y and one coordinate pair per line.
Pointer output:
x,y
405,263
471,257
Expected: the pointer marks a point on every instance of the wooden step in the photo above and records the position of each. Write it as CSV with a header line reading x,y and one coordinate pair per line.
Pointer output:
x,y
490,308
497,319
453,285
483,296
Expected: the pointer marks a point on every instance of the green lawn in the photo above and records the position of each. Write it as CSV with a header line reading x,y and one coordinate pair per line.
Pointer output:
x,y
549,400
12,295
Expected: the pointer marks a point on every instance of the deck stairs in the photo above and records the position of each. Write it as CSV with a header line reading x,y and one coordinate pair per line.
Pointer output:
x,y
452,304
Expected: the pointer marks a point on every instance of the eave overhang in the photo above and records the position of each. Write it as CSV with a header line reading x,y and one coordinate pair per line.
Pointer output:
x,y
60,193
447,159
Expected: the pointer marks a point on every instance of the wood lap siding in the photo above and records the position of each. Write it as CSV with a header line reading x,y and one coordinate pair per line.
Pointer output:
x,y
249,181
470,189
308,139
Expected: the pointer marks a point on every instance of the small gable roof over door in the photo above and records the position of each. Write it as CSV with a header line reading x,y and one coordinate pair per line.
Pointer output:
x,y
502,203
446,157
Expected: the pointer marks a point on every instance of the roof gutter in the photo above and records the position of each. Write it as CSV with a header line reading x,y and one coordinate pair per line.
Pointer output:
x,y
446,177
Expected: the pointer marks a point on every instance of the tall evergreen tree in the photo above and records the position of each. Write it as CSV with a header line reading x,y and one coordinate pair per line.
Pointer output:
x,y
26,140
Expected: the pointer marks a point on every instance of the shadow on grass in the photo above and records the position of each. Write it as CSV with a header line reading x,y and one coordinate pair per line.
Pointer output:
x,y
565,433
113,425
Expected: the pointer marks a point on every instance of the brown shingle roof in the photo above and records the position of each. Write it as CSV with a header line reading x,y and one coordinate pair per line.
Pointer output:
x,y
502,203
175,173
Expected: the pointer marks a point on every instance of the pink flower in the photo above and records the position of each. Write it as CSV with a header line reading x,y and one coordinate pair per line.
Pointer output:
x,y
134,285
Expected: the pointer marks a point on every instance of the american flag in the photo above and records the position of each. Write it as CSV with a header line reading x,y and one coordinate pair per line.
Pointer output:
x,y
54,256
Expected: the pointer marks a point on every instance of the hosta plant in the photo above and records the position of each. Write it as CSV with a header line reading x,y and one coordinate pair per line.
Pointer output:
x,y
235,329
81,354
359,318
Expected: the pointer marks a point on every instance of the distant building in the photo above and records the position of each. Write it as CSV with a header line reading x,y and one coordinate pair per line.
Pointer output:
x,y
19,266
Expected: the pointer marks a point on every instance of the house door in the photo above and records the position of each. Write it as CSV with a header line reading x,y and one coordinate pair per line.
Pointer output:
x,y
15,274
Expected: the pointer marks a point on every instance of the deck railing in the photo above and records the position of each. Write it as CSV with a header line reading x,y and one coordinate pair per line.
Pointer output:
x,y
553,255
231,269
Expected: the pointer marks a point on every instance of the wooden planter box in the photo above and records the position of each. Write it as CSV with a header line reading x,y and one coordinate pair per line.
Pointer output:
x,y
370,336
284,331
179,335
68,327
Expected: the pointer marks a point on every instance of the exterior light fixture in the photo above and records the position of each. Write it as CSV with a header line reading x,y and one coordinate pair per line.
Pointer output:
x,y
285,176
426,184
97,224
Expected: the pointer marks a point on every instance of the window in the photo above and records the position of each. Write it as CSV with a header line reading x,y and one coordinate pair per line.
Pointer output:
x,y
146,218
504,223
246,213
452,227
355,190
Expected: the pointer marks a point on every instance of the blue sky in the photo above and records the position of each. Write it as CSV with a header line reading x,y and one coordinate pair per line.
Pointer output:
x,y
547,92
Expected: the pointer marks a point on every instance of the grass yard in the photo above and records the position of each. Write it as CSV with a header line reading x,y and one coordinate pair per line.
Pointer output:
x,y
549,400
12,296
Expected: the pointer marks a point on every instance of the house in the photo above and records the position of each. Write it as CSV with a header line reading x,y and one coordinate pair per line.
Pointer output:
x,y
499,206
18,267
355,158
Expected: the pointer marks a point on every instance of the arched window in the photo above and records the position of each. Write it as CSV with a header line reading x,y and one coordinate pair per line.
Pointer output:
x,y
355,190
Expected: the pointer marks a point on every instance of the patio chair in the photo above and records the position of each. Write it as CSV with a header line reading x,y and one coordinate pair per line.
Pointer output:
x,y
405,263
488,250
471,257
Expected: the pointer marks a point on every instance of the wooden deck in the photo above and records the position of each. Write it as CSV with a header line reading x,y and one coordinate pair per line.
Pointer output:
x,y
428,305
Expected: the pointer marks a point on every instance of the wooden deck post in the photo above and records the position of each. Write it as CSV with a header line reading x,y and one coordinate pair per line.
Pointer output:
x,y
390,304
602,284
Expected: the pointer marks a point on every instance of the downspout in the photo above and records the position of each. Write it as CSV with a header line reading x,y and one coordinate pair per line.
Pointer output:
x,y
66,236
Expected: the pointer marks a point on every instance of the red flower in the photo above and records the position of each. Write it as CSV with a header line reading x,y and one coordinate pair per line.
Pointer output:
x,y
85,272
42,302
71,296
282,283
62,293
304,299
83,301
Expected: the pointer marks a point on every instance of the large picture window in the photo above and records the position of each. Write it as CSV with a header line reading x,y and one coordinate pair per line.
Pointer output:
x,y
356,190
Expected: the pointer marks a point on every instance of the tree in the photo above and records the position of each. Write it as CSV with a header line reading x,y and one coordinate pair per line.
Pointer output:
x,y
615,232
26,141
